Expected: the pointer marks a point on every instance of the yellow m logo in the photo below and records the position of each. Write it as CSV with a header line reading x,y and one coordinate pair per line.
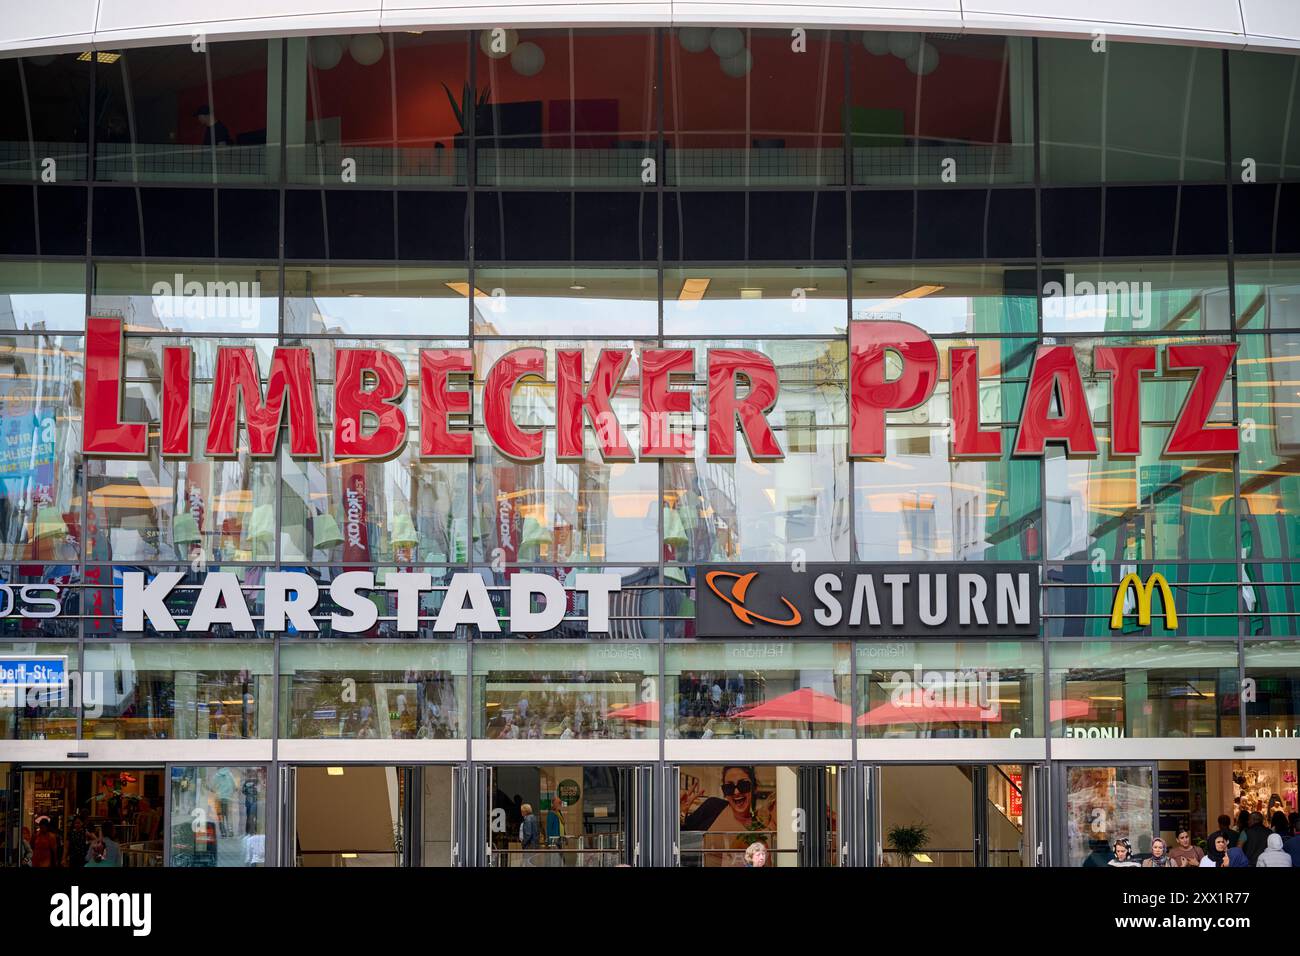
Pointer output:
x,y
1144,594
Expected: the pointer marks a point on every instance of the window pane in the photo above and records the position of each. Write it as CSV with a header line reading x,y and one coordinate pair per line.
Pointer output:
x,y
566,107
43,296
1114,690
932,690
188,297
1134,113
751,106
989,298
377,108
759,511
759,691
1132,297
218,816
1105,804
1275,669
381,691
918,504
711,301
925,104
565,301
176,114
1268,292
40,399
566,692
1080,599
1138,510
342,300
49,122
190,691
1265,113
32,713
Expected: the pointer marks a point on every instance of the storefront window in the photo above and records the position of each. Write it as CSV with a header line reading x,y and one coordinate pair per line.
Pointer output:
x,y
218,816
188,297
566,691
1112,690
189,113
35,712
753,107
372,691
191,691
1274,671
758,690
383,108
923,103
1133,113
949,299
932,690
1268,294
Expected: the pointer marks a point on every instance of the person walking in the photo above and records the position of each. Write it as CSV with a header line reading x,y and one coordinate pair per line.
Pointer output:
x,y
1185,853
1255,838
1160,855
1123,854
528,834
1218,854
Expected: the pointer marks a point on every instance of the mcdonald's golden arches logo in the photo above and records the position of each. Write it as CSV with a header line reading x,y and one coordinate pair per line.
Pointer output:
x,y
1144,595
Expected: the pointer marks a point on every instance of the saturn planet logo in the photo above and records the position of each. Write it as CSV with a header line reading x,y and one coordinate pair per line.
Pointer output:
x,y
736,599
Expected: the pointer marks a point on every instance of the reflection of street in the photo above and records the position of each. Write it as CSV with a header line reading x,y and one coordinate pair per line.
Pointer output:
x,y
217,816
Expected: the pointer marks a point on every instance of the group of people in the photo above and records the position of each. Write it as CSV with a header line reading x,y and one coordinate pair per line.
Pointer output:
x,y
87,845
1252,842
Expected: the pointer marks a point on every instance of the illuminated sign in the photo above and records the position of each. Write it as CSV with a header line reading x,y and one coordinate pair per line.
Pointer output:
x,y
290,597
833,600
1141,601
893,366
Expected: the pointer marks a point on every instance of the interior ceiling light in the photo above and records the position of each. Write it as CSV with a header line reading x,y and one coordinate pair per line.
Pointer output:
x,y
100,57
693,290
334,771
462,288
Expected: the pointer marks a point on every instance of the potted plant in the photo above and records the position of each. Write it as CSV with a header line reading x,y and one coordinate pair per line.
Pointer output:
x,y
462,107
907,840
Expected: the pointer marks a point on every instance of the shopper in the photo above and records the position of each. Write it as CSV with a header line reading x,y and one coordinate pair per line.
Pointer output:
x,y
45,845
1230,834
1293,849
756,854
1185,853
1281,825
1274,855
528,833
1243,821
1218,854
1123,854
1160,855
1237,857
78,842
1255,838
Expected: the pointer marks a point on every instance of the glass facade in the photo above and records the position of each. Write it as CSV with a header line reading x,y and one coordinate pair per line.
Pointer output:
x,y
692,188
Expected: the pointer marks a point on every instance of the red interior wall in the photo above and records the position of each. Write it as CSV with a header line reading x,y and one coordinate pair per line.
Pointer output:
x,y
238,101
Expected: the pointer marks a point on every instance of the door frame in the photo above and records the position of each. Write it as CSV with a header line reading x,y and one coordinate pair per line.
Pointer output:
x,y
1034,807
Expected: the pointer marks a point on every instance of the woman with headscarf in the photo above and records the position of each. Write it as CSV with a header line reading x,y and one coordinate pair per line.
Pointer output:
x,y
1217,855
1159,855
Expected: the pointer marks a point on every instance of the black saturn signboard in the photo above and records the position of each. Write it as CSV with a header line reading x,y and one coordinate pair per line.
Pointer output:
x,y
868,600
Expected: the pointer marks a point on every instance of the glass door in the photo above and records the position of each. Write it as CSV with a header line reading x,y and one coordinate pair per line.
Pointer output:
x,y
1104,803
955,815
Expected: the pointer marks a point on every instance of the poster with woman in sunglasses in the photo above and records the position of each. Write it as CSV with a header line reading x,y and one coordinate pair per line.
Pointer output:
x,y
744,814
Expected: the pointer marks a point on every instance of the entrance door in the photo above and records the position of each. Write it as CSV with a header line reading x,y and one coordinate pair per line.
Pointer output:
x,y
1104,803
954,815
67,816
568,815
365,815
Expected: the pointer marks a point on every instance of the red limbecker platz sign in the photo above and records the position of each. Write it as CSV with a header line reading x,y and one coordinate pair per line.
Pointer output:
x,y
370,383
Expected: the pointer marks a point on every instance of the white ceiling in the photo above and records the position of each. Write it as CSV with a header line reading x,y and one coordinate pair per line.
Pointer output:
x,y
60,25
